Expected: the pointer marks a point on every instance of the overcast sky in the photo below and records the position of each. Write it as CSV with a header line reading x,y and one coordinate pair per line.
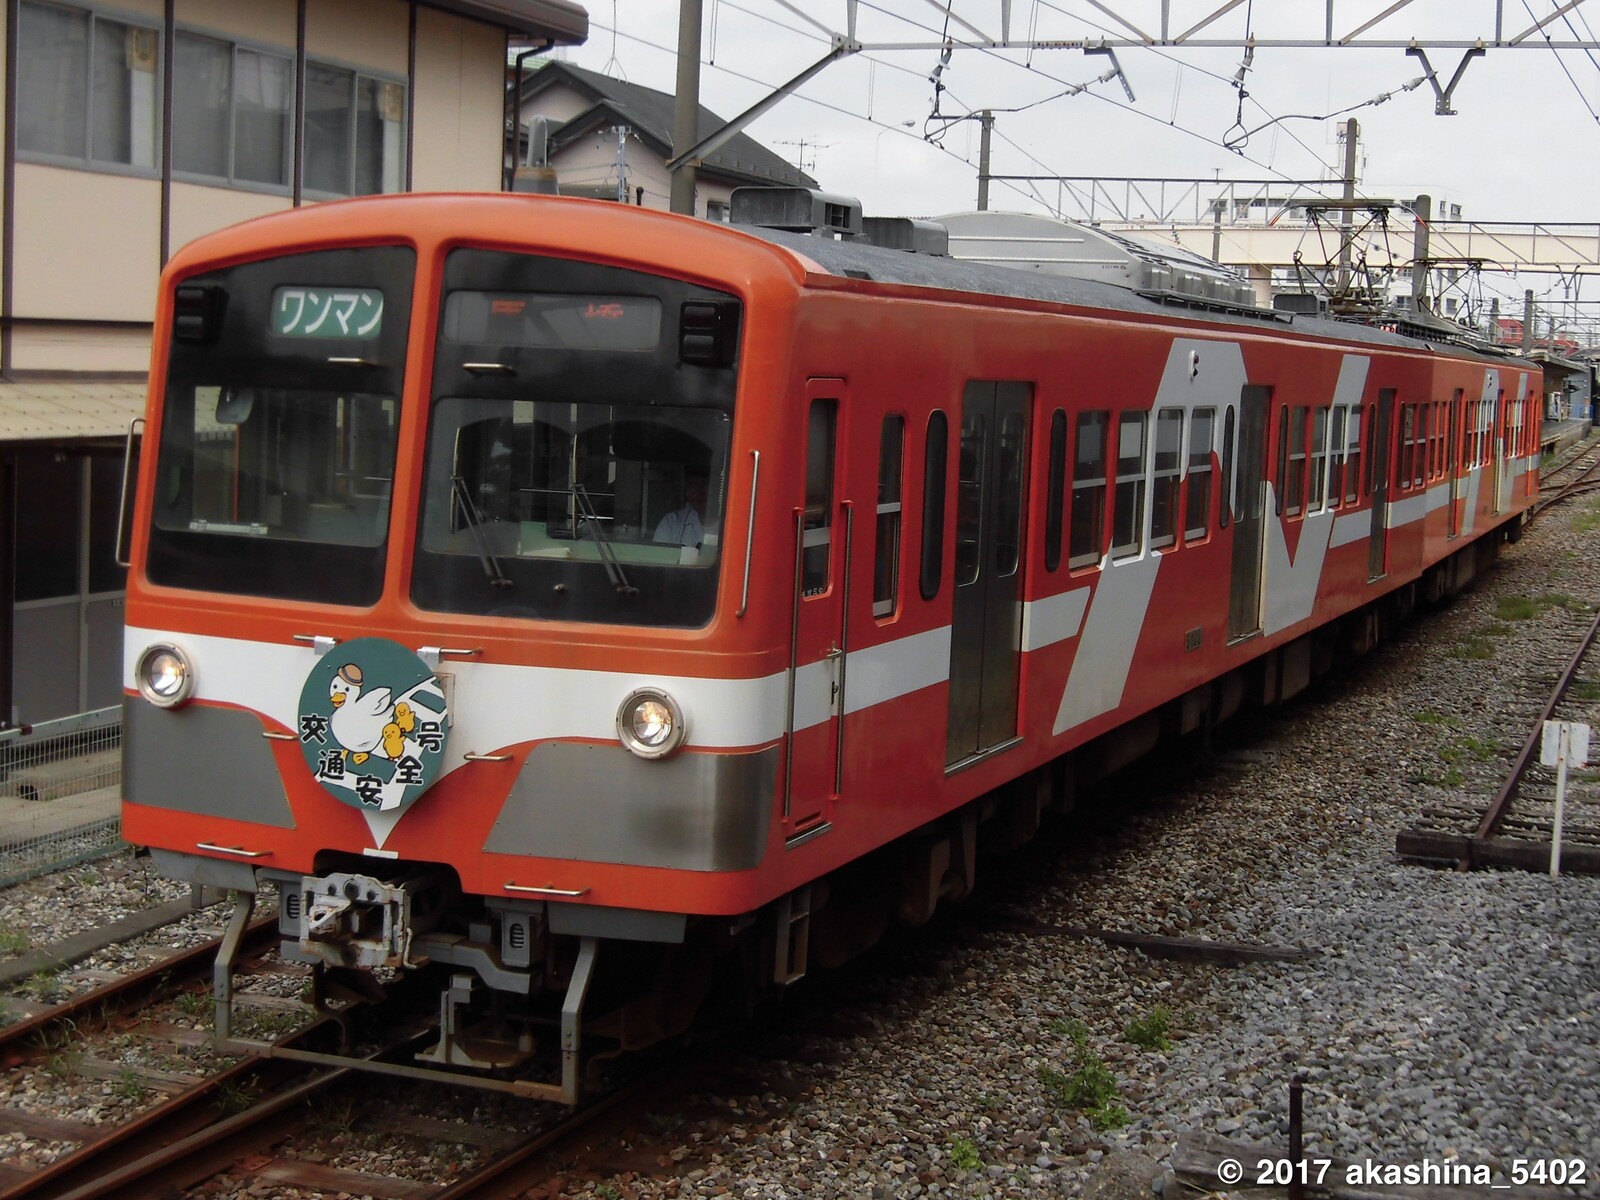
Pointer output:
x,y
1523,146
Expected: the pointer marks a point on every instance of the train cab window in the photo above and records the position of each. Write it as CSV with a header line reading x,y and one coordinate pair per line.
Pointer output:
x,y
817,528
935,452
1087,539
274,457
1319,460
1164,477
1283,457
1127,517
1336,455
886,563
1197,502
1294,486
1055,490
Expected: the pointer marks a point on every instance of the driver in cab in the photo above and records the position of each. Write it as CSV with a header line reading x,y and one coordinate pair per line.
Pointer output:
x,y
685,526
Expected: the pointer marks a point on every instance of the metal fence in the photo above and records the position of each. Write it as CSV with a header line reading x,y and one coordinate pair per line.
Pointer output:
x,y
60,784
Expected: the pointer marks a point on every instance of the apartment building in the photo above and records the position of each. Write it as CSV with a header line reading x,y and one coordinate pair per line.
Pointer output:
x,y
132,127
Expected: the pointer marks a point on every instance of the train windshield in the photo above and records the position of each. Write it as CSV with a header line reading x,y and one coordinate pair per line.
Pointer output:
x,y
280,425
573,511
577,446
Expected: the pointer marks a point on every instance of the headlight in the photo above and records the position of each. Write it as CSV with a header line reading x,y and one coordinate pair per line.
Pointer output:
x,y
651,724
164,675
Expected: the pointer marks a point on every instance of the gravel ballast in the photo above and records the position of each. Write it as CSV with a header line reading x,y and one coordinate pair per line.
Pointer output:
x,y
1441,1016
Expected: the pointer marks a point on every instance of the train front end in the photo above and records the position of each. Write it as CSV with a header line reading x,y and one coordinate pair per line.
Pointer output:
x,y
438,542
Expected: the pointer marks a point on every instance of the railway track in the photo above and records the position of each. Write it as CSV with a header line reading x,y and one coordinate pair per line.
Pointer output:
x,y
1517,827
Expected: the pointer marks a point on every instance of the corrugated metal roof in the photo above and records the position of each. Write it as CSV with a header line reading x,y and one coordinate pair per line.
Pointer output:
x,y
31,412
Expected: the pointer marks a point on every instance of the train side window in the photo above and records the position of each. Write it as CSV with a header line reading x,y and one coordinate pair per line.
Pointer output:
x,y
886,564
1408,444
1283,456
1055,490
936,450
1336,453
1352,457
1197,502
970,466
1319,460
1127,518
1224,505
1087,539
1296,485
1419,461
817,529
1164,478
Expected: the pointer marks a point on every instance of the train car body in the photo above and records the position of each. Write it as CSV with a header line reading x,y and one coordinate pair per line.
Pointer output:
x,y
427,631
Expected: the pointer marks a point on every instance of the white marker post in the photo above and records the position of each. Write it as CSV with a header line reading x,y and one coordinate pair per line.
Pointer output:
x,y
1564,742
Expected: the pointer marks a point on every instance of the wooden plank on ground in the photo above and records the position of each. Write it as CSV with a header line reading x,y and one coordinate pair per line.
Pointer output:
x,y
51,1129
1183,949
452,1133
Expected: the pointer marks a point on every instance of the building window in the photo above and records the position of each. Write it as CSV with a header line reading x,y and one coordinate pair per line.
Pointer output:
x,y
87,87
354,132
717,210
234,123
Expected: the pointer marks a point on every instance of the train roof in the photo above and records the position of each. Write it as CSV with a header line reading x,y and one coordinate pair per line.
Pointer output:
x,y
858,259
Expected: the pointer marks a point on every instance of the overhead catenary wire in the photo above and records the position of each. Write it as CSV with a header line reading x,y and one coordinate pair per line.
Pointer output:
x,y
1584,100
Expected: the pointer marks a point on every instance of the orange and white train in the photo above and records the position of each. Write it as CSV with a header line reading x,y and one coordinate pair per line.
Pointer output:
x,y
573,603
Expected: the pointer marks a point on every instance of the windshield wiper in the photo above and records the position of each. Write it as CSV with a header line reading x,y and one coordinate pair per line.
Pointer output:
x,y
608,555
491,564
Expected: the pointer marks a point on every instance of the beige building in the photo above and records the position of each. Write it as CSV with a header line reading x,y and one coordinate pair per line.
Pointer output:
x,y
132,127
612,139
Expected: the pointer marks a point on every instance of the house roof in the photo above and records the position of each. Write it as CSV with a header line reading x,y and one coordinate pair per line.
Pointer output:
x,y
560,22
650,114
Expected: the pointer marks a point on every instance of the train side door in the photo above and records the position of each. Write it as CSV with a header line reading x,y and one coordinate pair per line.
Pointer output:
x,y
814,754
986,622
1249,507
1453,461
1382,429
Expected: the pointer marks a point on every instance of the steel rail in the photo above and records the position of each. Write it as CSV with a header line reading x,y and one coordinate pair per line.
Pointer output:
x,y
130,991
1502,800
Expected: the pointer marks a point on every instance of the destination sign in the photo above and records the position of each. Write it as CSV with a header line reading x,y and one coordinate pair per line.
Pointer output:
x,y
320,312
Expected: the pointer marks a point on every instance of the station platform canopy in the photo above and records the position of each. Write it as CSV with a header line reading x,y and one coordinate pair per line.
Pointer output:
x,y
61,411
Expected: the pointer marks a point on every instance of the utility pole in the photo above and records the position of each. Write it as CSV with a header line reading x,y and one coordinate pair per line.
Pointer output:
x,y
1216,229
622,163
686,117
1527,321
986,122
1419,254
1351,132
